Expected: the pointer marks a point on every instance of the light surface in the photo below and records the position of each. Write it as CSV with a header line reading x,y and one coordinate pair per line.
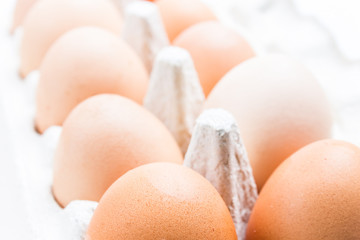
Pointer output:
x,y
13,220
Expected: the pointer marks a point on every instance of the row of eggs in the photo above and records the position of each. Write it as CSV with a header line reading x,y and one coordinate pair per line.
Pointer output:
x,y
278,104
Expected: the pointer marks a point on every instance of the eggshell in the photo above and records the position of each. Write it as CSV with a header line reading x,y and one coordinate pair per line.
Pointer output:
x,y
215,50
48,20
161,201
314,194
179,15
84,62
21,9
279,106
103,138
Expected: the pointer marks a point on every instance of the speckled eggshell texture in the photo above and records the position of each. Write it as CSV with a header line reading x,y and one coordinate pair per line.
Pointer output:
x,y
314,194
48,20
161,201
279,106
84,62
215,49
103,138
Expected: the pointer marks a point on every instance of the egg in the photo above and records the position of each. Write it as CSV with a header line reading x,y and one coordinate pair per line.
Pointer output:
x,y
21,9
161,201
215,50
279,107
314,194
103,138
84,62
179,15
48,20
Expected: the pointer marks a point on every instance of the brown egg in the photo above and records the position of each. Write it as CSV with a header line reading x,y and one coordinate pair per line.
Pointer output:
x,y
279,107
215,50
179,15
84,62
161,201
48,20
21,9
314,194
103,138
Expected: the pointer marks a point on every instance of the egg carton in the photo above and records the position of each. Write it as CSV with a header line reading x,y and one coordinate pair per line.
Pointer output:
x,y
174,80
213,136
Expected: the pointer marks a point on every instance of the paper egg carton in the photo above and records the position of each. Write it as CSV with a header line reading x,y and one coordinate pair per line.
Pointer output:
x,y
33,157
174,81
